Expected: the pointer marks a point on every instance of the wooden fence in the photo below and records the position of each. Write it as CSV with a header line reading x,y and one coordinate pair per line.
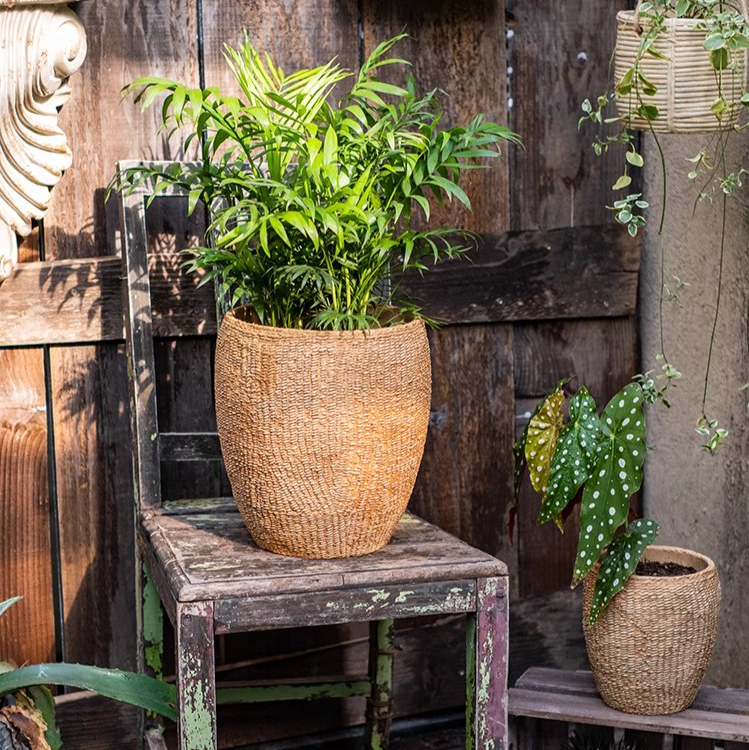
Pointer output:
x,y
551,293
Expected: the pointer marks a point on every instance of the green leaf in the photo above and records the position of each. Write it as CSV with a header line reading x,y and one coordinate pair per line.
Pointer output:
x,y
648,112
136,689
543,431
719,59
519,447
620,563
714,41
624,181
634,158
45,702
8,603
682,6
574,457
616,476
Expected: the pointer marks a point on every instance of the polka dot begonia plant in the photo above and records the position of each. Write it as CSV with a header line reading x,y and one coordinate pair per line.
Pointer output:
x,y
599,461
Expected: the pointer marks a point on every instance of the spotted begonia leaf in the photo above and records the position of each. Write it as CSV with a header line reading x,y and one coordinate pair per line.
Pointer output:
x,y
575,455
621,562
518,449
616,476
543,432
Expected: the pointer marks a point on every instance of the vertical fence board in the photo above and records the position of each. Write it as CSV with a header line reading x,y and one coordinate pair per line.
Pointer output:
x,y
460,48
96,506
464,486
27,630
559,54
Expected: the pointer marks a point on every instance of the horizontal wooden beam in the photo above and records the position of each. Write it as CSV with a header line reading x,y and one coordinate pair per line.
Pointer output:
x,y
80,301
575,272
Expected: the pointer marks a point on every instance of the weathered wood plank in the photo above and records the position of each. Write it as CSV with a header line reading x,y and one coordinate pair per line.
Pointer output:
x,y
463,485
79,301
558,181
196,676
189,446
90,722
27,630
486,670
95,498
576,272
388,601
460,49
584,272
551,694
212,555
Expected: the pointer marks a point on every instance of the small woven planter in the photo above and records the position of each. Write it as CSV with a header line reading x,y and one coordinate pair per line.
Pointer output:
x,y
686,81
651,646
322,431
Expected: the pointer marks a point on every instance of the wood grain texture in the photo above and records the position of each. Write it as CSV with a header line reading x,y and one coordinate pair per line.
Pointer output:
x,y
80,301
89,722
459,48
208,556
559,55
577,272
296,33
600,354
571,696
27,629
97,515
464,485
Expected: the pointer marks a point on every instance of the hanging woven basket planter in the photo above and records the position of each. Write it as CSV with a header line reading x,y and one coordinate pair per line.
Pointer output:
x,y
688,86
650,647
322,432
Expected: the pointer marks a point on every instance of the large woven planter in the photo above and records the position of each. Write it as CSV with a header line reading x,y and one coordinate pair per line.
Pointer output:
x,y
686,81
322,431
651,646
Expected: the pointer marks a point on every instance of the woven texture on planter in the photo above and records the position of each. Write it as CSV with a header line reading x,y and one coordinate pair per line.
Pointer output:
x,y
651,646
322,432
686,82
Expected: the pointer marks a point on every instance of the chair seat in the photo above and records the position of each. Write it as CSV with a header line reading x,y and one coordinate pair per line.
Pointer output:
x,y
201,551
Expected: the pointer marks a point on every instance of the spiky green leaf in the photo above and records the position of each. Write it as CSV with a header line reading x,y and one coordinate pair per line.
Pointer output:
x,y
8,603
136,689
616,476
620,563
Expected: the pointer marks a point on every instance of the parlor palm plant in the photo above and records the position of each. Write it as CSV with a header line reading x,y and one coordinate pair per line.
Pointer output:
x,y
313,205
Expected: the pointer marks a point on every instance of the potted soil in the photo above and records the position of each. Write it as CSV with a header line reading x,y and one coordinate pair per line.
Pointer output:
x,y
650,613
322,368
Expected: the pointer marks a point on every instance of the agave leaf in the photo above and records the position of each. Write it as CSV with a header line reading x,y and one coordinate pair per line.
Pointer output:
x,y
136,689
45,702
8,603
616,476
574,457
621,562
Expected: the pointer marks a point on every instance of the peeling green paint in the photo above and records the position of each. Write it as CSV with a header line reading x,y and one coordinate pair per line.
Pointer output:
x,y
402,597
153,627
312,691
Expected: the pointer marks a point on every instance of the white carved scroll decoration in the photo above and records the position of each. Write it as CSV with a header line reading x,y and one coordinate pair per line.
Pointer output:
x,y
41,46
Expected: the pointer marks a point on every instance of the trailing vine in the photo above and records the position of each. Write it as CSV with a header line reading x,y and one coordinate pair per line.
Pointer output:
x,y
726,38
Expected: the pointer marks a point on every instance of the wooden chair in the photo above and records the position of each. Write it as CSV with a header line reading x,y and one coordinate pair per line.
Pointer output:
x,y
212,579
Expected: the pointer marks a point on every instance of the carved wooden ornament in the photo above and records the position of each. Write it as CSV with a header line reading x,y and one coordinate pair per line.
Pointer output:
x,y
41,45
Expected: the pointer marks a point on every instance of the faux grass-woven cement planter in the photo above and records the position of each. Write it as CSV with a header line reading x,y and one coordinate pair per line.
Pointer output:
x,y
322,432
651,646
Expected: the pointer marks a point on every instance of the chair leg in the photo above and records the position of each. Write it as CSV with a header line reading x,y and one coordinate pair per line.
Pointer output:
x,y
486,667
380,701
152,648
196,676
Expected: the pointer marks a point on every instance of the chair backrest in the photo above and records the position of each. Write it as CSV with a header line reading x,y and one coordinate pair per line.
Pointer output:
x,y
149,447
